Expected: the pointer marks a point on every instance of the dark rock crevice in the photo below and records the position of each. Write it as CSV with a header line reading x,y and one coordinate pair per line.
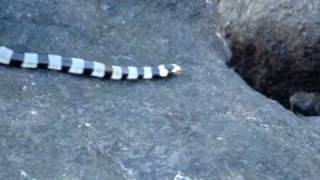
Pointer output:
x,y
275,45
277,76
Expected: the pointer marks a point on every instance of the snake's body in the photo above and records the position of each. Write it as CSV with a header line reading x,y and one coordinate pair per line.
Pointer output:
x,y
83,67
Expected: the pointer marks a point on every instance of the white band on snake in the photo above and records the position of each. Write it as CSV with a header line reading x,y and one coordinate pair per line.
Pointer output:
x,y
83,67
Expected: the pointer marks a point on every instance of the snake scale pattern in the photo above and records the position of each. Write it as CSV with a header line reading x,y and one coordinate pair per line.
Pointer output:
x,y
79,66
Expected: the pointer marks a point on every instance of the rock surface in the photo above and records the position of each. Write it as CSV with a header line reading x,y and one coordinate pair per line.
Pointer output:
x,y
205,124
307,104
276,44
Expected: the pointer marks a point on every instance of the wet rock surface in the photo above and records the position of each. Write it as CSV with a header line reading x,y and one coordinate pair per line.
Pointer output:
x,y
275,44
205,124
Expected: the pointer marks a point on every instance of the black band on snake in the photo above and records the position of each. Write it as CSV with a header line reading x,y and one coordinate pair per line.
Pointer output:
x,y
83,67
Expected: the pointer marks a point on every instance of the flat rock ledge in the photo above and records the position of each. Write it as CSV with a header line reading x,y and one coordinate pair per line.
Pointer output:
x,y
205,124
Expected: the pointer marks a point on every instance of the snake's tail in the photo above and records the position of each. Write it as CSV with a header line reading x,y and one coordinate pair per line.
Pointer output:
x,y
83,67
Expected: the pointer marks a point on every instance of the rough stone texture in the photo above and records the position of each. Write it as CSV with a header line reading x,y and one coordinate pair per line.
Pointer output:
x,y
205,124
275,43
307,104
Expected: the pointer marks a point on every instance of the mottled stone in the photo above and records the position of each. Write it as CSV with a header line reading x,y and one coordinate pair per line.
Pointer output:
x,y
305,103
205,124
275,43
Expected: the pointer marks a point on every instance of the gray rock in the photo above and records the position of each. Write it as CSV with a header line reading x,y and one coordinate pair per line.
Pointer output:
x,y
275,44
305,103
205,124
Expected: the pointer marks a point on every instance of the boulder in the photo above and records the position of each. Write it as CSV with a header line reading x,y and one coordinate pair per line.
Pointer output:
x,y
305,103
275,43
205,124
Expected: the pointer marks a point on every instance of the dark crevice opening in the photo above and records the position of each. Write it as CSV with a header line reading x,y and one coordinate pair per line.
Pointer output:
x,y
275,71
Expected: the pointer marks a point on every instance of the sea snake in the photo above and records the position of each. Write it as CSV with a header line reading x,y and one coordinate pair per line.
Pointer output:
x,y
79,66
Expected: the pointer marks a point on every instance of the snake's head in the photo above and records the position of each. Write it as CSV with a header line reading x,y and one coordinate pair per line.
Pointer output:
x,y
177,69
173,69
